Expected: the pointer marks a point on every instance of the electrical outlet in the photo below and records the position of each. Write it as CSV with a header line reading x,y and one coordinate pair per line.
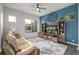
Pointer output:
x,y
72,40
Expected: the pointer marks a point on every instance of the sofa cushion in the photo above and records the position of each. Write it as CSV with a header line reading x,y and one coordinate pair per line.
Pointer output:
x,y
22,43
11,39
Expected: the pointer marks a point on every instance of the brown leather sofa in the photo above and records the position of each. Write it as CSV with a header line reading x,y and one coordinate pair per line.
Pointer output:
x,y
18,45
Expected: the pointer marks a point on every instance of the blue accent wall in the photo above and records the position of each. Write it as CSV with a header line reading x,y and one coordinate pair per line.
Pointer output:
x,y
69,24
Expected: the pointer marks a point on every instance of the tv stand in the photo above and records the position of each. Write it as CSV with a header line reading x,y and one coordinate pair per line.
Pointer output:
x,y
48,36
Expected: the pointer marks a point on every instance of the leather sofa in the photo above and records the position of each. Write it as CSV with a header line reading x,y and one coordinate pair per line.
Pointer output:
x,y
15,44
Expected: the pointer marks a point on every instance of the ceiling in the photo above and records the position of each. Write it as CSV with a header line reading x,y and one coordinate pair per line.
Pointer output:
x,y
31,7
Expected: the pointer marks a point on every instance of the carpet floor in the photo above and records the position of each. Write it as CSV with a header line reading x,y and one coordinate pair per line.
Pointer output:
x,y
48,47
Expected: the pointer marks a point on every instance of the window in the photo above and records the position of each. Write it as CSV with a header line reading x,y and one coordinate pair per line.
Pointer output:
x,y
28,21
12,18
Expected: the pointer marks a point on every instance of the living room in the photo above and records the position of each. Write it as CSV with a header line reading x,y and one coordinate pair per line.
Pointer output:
x,y
51,27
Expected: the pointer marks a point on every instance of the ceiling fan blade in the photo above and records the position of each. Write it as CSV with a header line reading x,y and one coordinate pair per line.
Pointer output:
x,y
42,8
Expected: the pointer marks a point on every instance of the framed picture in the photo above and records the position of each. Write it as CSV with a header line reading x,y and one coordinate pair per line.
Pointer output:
x,y
28,28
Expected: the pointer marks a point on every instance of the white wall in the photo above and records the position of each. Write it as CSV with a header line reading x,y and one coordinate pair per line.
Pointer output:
x,y
38,25
1,23
19,25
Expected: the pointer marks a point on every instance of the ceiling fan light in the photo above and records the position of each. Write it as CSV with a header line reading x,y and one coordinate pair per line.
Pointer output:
x,y
38,9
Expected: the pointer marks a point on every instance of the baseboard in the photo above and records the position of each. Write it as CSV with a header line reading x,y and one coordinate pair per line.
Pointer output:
x,y
72,43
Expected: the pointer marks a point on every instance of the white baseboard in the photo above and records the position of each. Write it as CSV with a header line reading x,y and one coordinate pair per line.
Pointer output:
x,y
72,43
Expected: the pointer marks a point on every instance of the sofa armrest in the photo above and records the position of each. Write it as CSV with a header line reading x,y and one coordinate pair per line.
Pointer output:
x,y
8,49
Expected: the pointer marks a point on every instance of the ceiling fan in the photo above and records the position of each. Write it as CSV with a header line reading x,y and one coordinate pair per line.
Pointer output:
x,y
38,8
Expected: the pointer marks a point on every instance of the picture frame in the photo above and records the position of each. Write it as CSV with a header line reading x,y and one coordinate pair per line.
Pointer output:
x,y
28,28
